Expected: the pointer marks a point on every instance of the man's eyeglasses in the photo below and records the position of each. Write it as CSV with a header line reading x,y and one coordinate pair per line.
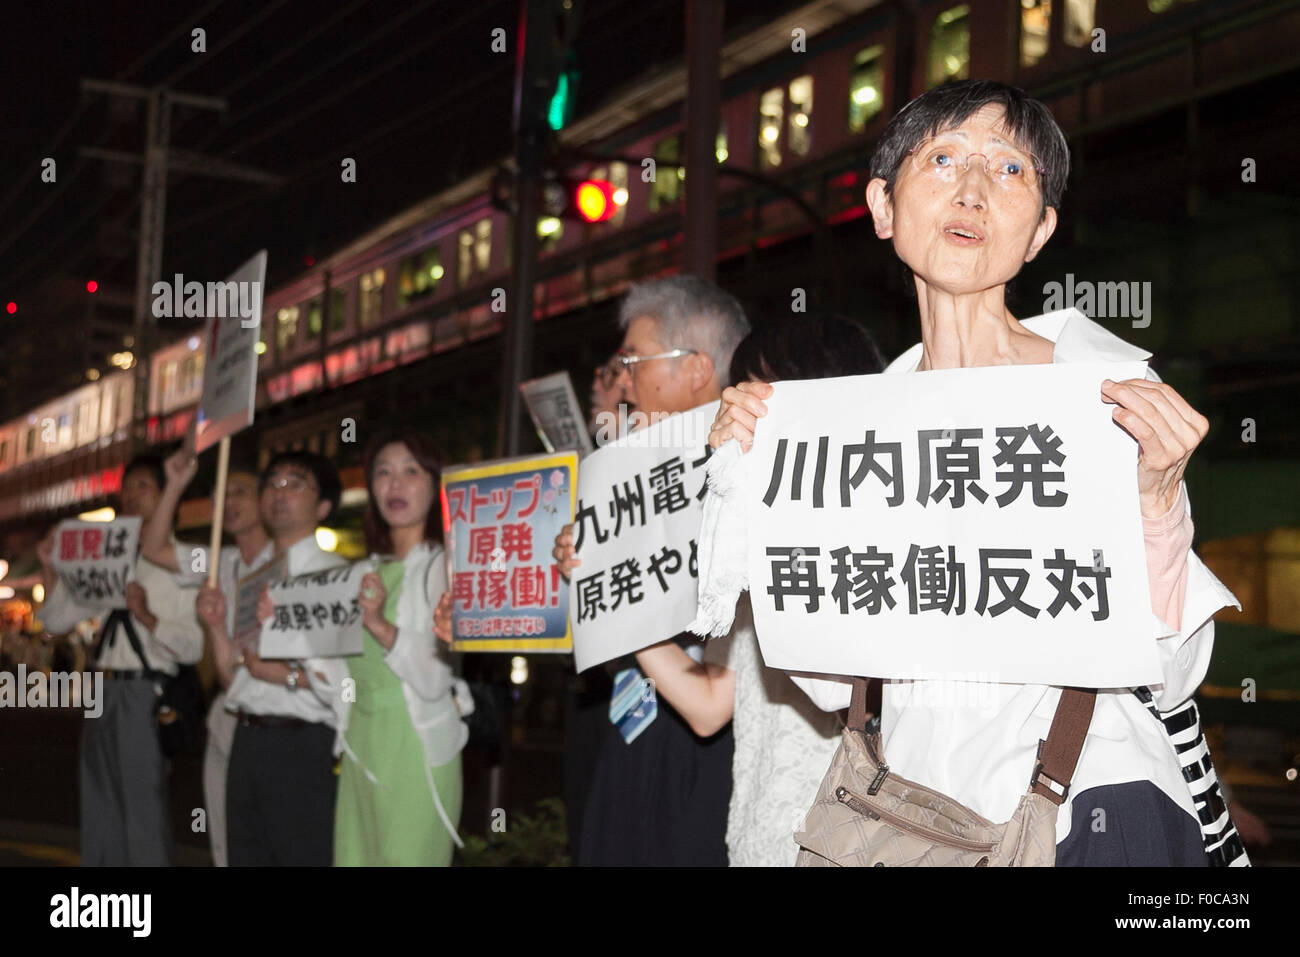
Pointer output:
x,y
1004,165
623,361
294,483
608,374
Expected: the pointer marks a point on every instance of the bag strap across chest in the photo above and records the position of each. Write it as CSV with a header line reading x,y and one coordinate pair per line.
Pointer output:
x,y
1058,753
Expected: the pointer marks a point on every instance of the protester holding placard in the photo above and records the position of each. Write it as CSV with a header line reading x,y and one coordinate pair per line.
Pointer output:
x,y
281,786
252,549
966,181
783,742
400,788
659,791
125,805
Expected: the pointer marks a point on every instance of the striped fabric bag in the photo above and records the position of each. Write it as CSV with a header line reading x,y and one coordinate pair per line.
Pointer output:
x,y
1222,842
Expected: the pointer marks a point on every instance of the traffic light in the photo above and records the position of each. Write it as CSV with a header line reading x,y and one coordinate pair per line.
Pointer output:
x,y
594,200
92,286
563,100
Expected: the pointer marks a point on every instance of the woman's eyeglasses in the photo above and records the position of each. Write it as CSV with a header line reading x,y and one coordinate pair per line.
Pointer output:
x,y
1005,166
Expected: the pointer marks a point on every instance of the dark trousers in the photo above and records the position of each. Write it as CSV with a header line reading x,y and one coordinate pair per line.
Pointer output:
x,y
280,793
123,780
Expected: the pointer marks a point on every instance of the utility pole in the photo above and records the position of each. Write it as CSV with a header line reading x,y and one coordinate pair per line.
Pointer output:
x,y
703,105
156,158
546,30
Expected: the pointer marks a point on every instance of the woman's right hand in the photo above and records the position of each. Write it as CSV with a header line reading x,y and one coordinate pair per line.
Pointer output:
x,y
738,414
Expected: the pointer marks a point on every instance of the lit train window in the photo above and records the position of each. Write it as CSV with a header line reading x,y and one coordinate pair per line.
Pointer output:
x,y
314,319
1080,18
473,251
801,106
866,87
950,45
338,308
667,185
483,244
1035,24
189,375
372,296
286,326
771,111
464,257
419,276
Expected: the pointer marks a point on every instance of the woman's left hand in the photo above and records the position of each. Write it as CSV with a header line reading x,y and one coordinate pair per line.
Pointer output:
x,y
1167,429
371,600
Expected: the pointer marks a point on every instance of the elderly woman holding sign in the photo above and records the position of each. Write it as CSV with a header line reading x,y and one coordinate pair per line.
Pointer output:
x,y
966,182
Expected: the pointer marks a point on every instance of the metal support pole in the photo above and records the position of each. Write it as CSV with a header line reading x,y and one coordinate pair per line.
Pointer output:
x,y
703,105
153,209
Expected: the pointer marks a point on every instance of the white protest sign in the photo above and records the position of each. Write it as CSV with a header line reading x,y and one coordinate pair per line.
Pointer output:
x,y
95,560
230,359
635,528
554,408
957,521
316,615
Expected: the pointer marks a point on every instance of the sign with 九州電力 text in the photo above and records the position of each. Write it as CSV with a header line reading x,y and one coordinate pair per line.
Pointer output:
x,y
636,533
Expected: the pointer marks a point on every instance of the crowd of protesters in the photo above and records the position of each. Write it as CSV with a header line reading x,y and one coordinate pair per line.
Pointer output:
x,y
966,184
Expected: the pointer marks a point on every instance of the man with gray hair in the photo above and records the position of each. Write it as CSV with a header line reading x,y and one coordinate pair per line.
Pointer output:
x,y
661,798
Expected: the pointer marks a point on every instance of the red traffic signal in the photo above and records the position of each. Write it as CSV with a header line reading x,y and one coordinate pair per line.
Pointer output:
x,y
594,200
92,286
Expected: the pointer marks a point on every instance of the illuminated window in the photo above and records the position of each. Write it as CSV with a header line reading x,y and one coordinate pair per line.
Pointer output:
x,y
950,45
801,106
720,145
667,185
338,308
483,244
286,327
371,305
771,111
1035,22
464,257
314,319
1080,18
419,276
866,87
189,373
473,251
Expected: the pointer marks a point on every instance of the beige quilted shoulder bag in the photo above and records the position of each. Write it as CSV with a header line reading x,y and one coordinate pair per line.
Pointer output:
x,y
865,815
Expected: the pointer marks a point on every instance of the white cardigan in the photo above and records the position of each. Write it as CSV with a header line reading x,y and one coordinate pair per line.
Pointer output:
x,y
436,699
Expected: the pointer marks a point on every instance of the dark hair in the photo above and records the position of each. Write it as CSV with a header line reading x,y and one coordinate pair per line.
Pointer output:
x,y
1028,121
321,468
379,537
153,464
813,347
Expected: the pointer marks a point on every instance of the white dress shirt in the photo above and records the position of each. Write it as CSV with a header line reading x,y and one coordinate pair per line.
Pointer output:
x,y
176,640
313,701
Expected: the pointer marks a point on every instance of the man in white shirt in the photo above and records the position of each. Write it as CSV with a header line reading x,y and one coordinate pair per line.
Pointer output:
x,y
253,548
123,772
281,786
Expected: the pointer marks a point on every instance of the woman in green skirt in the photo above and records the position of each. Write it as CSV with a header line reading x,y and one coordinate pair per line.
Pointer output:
x,y
399,796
